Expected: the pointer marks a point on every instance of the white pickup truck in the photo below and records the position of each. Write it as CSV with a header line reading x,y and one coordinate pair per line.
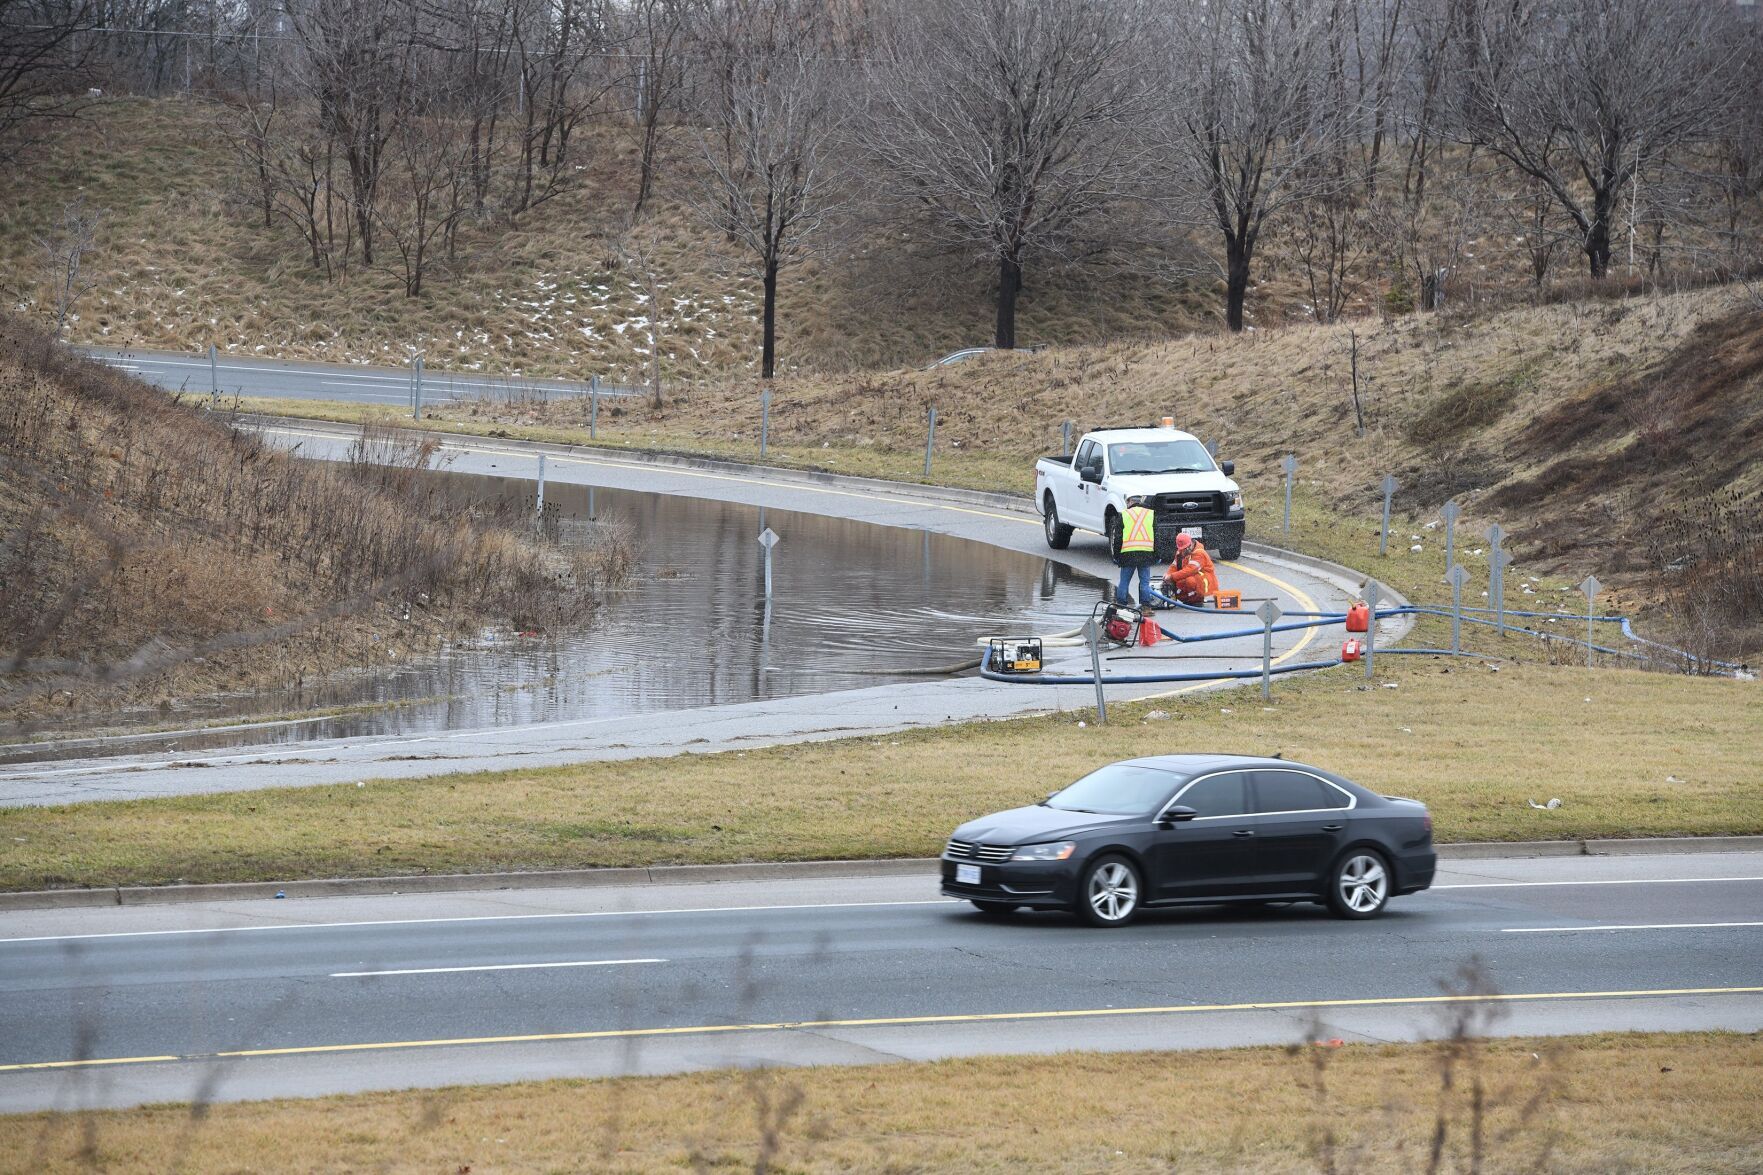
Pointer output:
x,y
1184,485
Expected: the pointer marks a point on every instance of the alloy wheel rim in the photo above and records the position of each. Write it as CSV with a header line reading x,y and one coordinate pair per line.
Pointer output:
x,y
1363,884
1113,892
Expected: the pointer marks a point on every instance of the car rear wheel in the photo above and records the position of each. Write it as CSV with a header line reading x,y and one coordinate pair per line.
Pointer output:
x,y
1360,885
994,909
1058,534
1109,893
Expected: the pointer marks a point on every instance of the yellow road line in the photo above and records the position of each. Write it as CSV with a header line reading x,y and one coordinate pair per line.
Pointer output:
x,y
905,1021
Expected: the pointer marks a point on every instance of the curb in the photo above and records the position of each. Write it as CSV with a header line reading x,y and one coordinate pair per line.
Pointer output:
x,y
159,895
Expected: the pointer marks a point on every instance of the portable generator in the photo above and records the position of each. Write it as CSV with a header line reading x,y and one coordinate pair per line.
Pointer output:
x,y
1016,654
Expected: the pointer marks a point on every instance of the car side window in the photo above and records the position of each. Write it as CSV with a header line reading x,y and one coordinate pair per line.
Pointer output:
x,y
1218,795
1293,791
1085,452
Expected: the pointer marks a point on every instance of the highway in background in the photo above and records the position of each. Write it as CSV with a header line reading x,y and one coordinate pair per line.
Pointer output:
x,y
114,1006
237,375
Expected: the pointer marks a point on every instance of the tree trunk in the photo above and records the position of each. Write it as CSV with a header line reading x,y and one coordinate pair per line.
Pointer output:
x,y
1236,280
768,353
1597,246
1009,285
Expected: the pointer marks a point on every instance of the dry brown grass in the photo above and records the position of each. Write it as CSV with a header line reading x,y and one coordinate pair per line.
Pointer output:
x,y
1662,1103
1475,744
148,547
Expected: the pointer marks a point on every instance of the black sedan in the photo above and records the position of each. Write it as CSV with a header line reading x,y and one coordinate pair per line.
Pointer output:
x,y
1197,829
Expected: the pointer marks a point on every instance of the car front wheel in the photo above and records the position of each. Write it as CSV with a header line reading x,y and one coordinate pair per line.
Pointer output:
x,y
1360,886
1110,892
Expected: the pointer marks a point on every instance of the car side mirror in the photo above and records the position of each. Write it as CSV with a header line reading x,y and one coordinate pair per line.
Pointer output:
x,y
1228,467
1091,473
1176,814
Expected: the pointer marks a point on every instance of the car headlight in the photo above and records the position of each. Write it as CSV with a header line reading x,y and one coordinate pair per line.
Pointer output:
x,y
1236,500
1057,851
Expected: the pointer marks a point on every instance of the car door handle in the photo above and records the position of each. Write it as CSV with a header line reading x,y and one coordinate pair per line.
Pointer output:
x,y
1333,827
1242,832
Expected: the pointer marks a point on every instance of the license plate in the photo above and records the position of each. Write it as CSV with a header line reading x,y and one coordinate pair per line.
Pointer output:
x,y
967,874
1192,532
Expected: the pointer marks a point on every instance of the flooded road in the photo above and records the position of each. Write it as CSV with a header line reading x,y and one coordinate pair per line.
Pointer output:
x,y
853,604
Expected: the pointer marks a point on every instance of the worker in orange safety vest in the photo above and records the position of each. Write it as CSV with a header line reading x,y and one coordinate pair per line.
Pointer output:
x,y
1192,577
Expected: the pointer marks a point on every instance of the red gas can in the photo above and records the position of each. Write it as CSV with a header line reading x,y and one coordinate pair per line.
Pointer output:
x,y
1358,617
1351,649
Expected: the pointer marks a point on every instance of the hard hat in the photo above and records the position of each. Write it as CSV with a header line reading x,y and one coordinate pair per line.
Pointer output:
x,y
1183,541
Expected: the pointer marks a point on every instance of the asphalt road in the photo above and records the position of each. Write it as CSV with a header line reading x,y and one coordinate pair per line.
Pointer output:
x,y
242,1000
245,376
123,770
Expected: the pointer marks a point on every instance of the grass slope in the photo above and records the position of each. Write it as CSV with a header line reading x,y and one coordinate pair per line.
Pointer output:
x,y
1475,743
1661,1103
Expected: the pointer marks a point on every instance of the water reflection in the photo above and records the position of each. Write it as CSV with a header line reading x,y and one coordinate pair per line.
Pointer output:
x,y
853,604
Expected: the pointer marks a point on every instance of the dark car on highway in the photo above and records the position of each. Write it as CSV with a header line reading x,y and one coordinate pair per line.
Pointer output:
x,y
1194,829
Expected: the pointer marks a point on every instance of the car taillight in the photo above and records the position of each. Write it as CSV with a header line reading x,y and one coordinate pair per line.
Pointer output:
x,y
1426,822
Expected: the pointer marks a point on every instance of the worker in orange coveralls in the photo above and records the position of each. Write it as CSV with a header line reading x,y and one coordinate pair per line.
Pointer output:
x,y
1192,577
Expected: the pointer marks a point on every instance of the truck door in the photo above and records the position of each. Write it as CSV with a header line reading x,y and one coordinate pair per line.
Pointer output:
x,y
1087,497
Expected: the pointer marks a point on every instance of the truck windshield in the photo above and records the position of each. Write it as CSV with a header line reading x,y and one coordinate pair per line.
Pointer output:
x,y
1159,457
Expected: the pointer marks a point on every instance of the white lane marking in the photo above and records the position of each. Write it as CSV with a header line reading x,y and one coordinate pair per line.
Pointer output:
x,y
492,967
1647,926
1616,881
480,918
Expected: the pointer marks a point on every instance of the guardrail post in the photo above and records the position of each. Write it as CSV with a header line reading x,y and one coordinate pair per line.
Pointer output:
x,y
1498,586
1290,465
930,442
1389,491
1457,576
1373,590
1450,512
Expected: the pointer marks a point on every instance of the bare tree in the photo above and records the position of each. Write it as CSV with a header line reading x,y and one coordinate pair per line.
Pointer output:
x,y
659,31
557,44
1249,125
1584,95
43,53
1002,121
64,256
769,176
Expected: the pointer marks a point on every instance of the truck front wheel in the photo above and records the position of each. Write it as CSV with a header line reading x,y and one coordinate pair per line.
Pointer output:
x,y
1058,534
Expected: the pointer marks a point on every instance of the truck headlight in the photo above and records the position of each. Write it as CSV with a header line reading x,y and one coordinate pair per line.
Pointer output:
x,y
1236,500
1057,851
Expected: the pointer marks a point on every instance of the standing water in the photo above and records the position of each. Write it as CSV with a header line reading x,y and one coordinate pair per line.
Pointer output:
x,y
853,605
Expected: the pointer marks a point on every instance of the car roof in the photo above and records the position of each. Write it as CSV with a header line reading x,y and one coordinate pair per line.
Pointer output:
x,y
1113,436
1194,764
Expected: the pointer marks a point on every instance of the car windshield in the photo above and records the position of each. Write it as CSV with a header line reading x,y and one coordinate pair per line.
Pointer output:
x,y
1159,457
1118,789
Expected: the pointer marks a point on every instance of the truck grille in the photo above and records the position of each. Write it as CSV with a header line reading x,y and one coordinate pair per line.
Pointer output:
x,y
1182,508
968,851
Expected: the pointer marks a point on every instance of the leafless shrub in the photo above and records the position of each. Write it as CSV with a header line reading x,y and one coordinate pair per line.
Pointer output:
x,y
64,256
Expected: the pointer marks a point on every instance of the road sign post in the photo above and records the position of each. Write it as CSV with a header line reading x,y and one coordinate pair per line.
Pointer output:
x,y
1450,513
1389,491
593,407
539,500
1290,465
1065,439
764,421
1590,585
768,539
1268,612
930,442
416,388
213,375
1092,630
1459,575
1373,590
1497,587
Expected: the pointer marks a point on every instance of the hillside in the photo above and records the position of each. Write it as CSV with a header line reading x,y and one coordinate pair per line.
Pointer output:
x,y
1623,436
150,553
